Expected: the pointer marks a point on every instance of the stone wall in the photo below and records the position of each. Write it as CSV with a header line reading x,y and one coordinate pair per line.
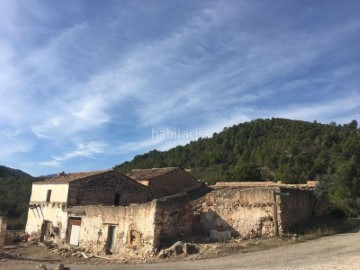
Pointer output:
x,y
2,233
258,211
13,236
101,189
176,181
133,234
173,218
243,212
139,229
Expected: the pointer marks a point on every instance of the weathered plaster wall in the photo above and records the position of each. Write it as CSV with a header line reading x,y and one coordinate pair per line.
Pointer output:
x,y
59,192
173,217
174,182
243,212
101,189
134,228
140,229
52,212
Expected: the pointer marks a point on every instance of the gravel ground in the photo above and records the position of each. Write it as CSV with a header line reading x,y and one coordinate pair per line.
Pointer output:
x,y
335,252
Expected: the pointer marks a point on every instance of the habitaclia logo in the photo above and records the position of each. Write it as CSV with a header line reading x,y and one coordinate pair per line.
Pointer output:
x,y
178,134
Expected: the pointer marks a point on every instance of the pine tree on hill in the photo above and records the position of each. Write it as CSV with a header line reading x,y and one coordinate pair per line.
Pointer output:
x,y
270,149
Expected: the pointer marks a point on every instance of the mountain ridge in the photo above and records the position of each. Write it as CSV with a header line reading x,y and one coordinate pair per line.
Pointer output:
x,y
15,190
16,172
214,151
275,149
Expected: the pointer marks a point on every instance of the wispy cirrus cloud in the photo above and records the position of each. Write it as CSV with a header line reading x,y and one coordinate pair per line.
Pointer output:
x,y
329,111
88,150
84,150
50,163
78,78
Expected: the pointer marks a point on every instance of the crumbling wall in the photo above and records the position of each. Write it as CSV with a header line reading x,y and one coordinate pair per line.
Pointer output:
x,y
101,189
13,236
50,214
296,205
47,220
260,211
174,182
243,212
133,234
139,229
2,233
173,218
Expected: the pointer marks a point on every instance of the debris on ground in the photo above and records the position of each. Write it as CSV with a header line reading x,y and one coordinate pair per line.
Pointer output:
x,y
60,266
178,248
28,255
220,236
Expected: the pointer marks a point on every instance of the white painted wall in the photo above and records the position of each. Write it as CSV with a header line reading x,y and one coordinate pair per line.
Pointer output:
x,y
59,192
50,212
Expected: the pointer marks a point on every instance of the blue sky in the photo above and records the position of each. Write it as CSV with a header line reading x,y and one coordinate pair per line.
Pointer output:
x,y
86,85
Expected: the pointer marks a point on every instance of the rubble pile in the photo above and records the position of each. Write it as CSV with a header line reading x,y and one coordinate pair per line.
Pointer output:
x,y
178,248
60,266
68,251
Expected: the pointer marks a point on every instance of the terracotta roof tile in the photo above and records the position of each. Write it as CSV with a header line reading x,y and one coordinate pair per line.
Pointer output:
x,y
63,178
148,174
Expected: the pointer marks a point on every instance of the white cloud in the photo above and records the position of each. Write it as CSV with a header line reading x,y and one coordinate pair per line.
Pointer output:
x,y
321,112
215,67
51,163
132,147
12,144
51,59
84,150
73,117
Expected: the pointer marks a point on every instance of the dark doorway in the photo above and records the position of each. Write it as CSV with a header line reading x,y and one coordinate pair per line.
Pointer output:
x,y
73,231
45,229
117,199
110,243
48,195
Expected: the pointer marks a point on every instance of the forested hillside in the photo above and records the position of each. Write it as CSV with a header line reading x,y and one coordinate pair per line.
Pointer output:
x,y
272,149
15,189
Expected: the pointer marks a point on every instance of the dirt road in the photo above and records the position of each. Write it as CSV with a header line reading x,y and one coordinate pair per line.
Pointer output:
x,y
335,252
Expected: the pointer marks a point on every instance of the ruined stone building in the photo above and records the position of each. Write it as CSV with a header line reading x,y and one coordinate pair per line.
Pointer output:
x,y
165,181
255,209
50,198
107,213
126,216
138,230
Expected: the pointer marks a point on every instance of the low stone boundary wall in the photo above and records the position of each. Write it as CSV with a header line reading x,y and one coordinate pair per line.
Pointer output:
x,y
2,233
254,211
2,242
13,236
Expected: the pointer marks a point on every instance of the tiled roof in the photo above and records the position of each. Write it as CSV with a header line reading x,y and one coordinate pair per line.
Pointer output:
x,y
148,174
63,178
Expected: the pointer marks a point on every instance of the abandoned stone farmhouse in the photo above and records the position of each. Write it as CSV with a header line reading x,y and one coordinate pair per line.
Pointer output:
x,y
137,214
50,198
164,181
